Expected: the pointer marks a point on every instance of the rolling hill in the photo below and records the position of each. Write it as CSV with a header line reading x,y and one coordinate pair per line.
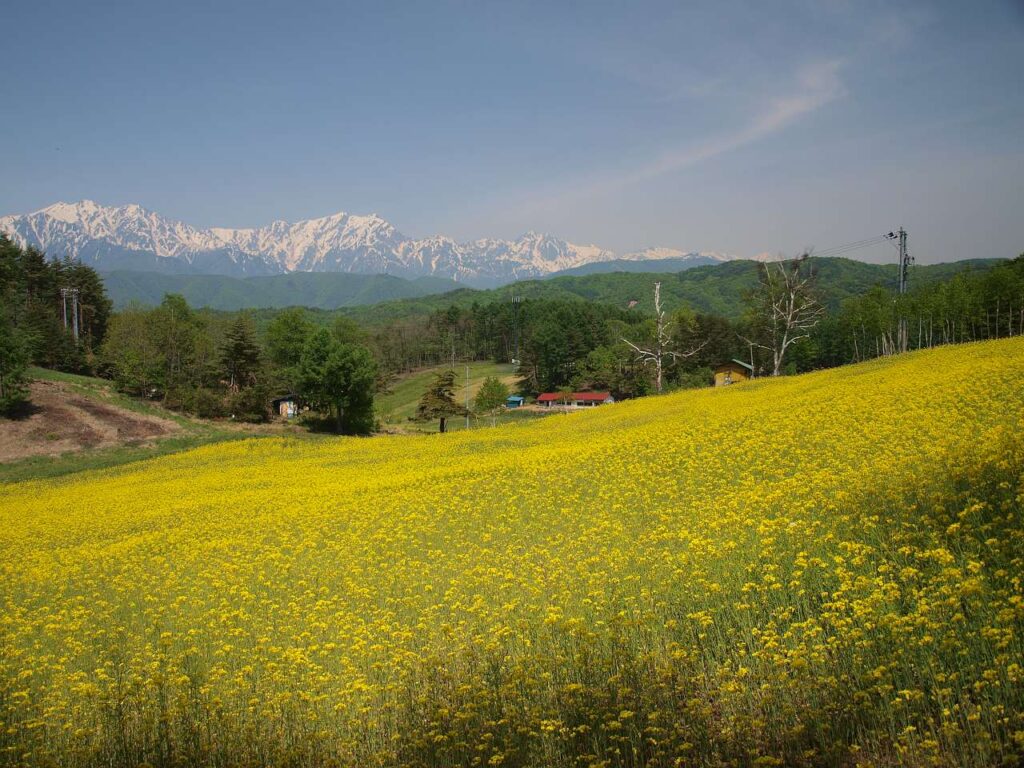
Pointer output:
x,y
716,288
709,287
323,290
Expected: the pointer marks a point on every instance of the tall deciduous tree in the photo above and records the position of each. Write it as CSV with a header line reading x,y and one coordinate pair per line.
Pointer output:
x,y
664,344
338,379
783,308
130,353
286,336
491,397
179,334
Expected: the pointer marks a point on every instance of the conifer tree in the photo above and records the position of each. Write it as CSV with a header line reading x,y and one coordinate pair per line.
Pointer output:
x,y
14,358
438,402
240,354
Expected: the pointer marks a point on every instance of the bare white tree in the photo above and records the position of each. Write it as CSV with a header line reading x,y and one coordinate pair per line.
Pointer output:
x,y
663,343
784,308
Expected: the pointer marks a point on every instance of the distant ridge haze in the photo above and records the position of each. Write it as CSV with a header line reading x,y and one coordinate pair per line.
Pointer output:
x,y
130,237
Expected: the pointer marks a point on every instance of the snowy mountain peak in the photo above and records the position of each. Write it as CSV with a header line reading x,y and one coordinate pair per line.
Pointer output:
x,y
132,237
649,254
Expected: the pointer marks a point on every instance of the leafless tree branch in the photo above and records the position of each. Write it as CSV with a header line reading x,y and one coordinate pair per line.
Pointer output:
x,y
663,343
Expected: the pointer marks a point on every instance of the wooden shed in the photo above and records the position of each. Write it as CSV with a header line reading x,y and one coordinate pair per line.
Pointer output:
x,y
286,406
732,372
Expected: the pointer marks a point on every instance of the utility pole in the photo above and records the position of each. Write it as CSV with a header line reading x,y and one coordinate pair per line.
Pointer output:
x,y
516,303
902,331
905,259
467,396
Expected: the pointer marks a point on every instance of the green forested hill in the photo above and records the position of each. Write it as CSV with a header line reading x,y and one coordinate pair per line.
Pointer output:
x,y
717,289
324,290
374,299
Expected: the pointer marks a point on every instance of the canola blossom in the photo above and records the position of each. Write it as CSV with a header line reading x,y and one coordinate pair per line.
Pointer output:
x,y
816,570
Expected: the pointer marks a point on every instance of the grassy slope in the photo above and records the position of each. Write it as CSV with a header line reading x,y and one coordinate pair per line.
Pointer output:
x,y
400,403
814,571
194,433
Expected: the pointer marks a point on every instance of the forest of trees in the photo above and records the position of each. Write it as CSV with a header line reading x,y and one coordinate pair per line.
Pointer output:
x,y
216,365
574,343
32,317
220,364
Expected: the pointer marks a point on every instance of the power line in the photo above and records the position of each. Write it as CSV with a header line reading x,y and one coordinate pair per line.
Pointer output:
x,y
854,246
897,240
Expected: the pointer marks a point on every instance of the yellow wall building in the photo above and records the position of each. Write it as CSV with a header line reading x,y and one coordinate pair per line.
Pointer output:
x,y
732,372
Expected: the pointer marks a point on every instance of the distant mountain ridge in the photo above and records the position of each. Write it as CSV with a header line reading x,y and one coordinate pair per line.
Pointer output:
x,y
306,289
131,237
666,264
376,299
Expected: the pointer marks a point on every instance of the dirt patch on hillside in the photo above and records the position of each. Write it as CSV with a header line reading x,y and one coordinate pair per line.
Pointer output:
x,y
61,420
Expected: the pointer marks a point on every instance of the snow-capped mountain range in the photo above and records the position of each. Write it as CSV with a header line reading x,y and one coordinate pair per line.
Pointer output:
x,y
131,237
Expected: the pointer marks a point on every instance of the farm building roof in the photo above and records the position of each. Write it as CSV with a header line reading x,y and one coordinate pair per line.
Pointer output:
x,y
730,363
597,397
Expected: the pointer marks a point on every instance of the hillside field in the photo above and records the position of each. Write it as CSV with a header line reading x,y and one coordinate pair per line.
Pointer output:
x,y
819,570
399,403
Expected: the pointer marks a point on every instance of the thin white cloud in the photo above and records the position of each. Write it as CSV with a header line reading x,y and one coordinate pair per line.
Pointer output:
x,y
817,85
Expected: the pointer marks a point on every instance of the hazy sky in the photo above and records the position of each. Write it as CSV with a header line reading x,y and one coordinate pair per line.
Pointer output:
x,y
735,127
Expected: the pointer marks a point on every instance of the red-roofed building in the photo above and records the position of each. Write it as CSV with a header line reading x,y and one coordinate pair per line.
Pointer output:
x,y
574,399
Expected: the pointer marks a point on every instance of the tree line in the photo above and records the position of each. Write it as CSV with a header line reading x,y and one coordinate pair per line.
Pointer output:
x,y
37,320
217,364
970,306
785,328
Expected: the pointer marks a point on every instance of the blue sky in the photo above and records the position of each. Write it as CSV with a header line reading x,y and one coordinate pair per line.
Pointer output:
x,y
729,126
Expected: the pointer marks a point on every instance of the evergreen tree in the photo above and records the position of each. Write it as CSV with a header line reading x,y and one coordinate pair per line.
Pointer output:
x,y
438,402
30,287
14,358
240,354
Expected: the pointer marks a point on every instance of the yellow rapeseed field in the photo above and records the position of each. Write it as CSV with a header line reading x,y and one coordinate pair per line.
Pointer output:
x,y
818,570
